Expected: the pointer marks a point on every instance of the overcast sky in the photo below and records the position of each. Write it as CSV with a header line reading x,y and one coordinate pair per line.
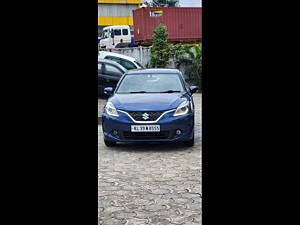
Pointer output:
x,y
190,3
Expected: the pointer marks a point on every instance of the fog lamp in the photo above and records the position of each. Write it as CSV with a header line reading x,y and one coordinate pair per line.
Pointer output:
x,y
178,132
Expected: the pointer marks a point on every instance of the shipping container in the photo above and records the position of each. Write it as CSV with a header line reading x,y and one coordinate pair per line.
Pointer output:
x,y
184,24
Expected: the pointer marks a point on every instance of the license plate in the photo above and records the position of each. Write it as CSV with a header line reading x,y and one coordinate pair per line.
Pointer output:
x,y
145,128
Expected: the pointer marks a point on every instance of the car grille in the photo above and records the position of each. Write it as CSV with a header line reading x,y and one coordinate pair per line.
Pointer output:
x,y
146,135
145,116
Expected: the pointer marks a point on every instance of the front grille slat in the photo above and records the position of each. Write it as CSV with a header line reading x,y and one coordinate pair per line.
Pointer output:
x,y
147,135
145,116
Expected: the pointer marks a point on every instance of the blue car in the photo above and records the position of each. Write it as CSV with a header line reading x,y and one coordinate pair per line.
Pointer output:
x,y
149,105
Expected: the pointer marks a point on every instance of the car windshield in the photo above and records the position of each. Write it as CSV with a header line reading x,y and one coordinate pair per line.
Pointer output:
x,y
104,34
150,83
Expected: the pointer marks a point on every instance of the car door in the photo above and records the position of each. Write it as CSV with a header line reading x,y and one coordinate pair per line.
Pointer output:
x,y
100,78
111,75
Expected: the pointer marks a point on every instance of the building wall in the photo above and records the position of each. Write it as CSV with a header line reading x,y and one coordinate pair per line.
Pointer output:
x,y
116,12
120,1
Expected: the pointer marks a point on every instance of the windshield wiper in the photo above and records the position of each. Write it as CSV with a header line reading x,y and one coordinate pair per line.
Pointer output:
x,y
132,92
169,91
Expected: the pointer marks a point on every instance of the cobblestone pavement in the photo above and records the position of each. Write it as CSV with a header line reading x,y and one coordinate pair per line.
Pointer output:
x,y
153,184
101,103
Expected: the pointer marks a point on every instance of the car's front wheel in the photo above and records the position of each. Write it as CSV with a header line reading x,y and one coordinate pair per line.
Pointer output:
x,y
110,143
190,143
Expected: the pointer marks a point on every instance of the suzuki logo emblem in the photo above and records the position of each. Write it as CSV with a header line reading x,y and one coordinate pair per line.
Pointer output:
x,y
145,116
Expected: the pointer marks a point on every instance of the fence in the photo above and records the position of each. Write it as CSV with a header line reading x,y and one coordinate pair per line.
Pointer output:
x,y
142,54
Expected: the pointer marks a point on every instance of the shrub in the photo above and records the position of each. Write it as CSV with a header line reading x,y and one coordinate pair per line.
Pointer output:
x,y
160,50
191,57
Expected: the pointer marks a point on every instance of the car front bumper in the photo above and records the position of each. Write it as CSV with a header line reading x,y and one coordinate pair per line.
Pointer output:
x,y
168,126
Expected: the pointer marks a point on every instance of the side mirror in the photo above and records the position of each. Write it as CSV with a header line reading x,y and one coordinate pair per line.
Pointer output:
x,y
193,89
108,91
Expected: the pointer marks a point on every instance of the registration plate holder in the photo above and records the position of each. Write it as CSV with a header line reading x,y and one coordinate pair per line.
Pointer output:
x,y
145,128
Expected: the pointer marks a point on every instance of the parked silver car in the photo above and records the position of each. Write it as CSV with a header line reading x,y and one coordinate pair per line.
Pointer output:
x,y
126,61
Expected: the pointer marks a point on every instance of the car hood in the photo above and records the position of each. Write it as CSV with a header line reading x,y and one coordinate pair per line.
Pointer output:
x,y
148,101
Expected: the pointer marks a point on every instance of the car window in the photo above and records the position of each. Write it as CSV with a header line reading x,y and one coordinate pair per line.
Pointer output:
x,y
99,67
118,60
140,65
117,32
128,65
104,34
151,83
125,32
112,70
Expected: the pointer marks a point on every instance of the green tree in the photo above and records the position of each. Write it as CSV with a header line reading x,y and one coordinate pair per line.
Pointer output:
x,y
160,50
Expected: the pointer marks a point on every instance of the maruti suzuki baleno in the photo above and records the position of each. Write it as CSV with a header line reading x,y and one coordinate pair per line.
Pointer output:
x,y
149,105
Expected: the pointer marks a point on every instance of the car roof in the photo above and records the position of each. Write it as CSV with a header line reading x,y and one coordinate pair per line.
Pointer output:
x,y
153,70
112,62
116,26
105,53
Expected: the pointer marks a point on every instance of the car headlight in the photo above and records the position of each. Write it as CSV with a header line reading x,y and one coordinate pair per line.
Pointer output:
x,y
111,109
182,109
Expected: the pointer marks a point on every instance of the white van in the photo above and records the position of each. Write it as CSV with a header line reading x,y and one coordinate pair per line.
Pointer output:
x,y
127,62
115,37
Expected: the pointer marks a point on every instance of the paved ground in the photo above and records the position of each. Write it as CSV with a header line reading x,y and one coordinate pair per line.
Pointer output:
x,y
151,183
101,103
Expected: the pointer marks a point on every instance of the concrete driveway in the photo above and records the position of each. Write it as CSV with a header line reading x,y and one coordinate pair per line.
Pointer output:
x,y
151,183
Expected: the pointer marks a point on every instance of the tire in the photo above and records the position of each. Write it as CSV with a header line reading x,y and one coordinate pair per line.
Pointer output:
x,y
190,143
110,143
